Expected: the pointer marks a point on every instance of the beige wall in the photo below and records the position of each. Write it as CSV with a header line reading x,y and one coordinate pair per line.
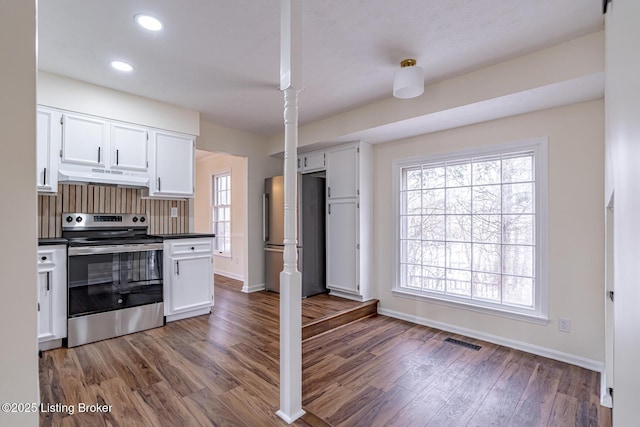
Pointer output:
x,y
569,61
216,138
19,356
74,95
214,164
576,227
623,148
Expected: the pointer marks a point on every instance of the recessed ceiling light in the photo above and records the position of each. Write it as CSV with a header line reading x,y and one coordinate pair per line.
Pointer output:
x,y
121,66
148,22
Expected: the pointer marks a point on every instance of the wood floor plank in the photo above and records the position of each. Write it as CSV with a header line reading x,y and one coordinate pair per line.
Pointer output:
x,y
380,409
536,402
207,409
500,402
162,406
564,411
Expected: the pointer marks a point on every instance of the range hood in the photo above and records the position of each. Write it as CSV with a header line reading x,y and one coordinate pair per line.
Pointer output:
x,y
104,176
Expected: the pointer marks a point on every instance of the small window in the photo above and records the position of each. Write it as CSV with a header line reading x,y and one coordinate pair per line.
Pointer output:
x,y
472,227
221,217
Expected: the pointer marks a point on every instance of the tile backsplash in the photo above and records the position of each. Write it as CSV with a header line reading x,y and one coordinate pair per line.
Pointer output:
x,y
108,199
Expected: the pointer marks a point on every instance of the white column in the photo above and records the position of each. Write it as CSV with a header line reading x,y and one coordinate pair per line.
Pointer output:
x,y
290,278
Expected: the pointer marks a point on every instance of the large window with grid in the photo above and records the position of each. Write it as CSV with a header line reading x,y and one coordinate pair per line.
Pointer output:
x,y
222,213
470,228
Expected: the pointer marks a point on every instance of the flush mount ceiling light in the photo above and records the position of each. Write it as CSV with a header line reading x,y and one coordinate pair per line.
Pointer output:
x,y
122,66
148,22
408,81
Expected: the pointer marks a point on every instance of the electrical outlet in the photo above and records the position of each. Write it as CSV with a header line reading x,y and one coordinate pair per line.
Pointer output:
x,y
174,212
564,325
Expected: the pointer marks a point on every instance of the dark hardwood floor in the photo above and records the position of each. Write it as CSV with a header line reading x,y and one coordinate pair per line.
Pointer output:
x,y
222,369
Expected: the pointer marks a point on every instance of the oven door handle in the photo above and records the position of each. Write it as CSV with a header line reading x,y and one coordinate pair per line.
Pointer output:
x,y
113,249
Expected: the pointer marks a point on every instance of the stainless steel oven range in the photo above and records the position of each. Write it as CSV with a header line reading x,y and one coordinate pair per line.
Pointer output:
x,y
114,284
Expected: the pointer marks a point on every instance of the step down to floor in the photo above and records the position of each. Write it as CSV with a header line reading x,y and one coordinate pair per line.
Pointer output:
x,y
335,320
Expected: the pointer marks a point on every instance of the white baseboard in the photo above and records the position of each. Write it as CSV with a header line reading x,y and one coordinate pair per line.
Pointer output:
x,y
235,276
592,365
247,289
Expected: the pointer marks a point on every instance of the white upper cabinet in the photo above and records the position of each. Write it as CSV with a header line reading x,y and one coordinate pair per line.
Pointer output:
x,y
129,147
311,162
83,140
172,165
48,134
342,172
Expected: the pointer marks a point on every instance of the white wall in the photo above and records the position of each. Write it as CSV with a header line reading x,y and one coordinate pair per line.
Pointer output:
x,y
74,95
622,101
215,164
576,227
19,356
220,139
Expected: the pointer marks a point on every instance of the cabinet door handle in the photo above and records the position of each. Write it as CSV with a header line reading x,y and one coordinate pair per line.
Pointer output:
x,y
48,279
329,209
298,162
44,180
117,157
177,268
305,162
158,183
38,306
329,189
99,152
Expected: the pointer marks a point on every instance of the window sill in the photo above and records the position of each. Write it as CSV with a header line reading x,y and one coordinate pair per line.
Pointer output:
x,y
514,315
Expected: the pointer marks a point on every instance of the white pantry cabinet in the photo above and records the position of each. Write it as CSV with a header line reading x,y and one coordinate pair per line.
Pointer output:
x,y
52,296
349,222
188,277
48,136
172,171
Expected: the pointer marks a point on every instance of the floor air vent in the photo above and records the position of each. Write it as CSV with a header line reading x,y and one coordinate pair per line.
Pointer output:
x,y
463,343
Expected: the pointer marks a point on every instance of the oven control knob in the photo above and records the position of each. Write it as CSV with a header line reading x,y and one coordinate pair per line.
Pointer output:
x,y
69,218
79,219
142,219
135,219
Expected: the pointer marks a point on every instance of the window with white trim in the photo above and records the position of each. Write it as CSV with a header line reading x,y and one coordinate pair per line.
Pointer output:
x,y
222,213
471,227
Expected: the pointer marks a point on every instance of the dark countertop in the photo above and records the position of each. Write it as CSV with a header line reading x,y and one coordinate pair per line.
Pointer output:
x,y
184,236
52,241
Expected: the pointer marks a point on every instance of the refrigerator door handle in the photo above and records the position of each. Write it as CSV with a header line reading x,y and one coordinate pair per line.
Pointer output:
x,y
265,217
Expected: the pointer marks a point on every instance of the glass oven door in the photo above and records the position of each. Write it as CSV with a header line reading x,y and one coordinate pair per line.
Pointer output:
x,y
104,278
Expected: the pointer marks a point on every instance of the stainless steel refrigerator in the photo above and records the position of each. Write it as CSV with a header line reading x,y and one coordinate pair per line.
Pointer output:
x,y
311,232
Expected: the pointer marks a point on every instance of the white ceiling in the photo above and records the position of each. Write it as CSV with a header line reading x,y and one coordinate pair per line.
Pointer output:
x,y
222,57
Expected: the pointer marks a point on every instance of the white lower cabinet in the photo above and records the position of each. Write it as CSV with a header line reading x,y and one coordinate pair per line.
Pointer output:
x,y
188,277
52,296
